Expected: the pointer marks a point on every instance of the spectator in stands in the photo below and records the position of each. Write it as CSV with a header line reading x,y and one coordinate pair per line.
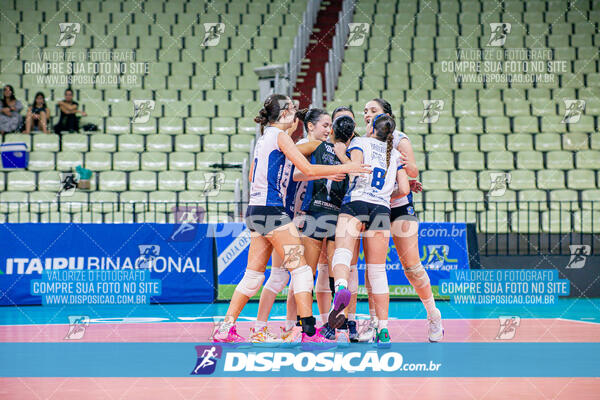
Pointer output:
x,y
10,108
68,114
38,114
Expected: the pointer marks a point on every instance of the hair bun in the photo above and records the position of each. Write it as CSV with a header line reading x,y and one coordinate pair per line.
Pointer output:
x,y
301,114
262,117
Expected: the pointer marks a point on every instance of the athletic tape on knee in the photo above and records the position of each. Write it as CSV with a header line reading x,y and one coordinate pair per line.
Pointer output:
x,y
302,278
353,281
277,280
378,278
322,285
342,256
251,282
417,276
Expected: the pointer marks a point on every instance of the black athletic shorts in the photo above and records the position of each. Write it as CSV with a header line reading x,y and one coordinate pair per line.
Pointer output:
x,y
406,212
265,219
374,216
319,226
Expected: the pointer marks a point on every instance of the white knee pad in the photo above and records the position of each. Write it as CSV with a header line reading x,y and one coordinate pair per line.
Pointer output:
x,y
378,278
417,276
302,279
353,281
250,283
342,256
322,285
277,280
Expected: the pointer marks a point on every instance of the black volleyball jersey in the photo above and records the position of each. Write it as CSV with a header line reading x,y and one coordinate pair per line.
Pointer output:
x,y
324,195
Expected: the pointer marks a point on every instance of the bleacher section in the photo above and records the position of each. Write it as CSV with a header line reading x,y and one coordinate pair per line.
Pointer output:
x,y
205,100
491,127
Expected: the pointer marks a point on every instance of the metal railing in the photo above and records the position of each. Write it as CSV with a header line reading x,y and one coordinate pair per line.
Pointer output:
x,y
529,228
301,42
336,53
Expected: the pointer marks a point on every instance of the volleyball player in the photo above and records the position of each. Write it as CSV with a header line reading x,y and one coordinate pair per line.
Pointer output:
x,y
270,226
317,125
404,228
366,209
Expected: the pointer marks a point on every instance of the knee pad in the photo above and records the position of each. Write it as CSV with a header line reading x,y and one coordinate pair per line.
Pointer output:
x,y
353,281
342,256
322,285
417,276
277,280
250,283
302,279
378,278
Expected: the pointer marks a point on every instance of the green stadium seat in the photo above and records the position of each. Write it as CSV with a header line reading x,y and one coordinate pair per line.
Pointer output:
x,y
472,160
519,142
470,124
589,159
133,201
75,203
547,141
181,161
533,199
74,142
470,200
103,201
187,143
223,125
522,179
581,179
525,221
559,160
40,161
144,181
463,216
586,221
23,181
43,201
556,221
553,124
236,158
171,180
493,221
435,180
131,143
22,217
126,161
113,181
104,142
43,142
208,160
145,128
575,141
159,143
507,201
525,124
243,142
462,180
216,142
98,161
529,160
497,125
550,179
437,143
564,200
170,126
68,160
118,125
502,160
162,201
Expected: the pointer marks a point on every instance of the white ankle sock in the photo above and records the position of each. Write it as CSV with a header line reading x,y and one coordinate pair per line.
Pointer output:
x,y
258,325
373,314
382,324
340,282
351,317
324,318
289,324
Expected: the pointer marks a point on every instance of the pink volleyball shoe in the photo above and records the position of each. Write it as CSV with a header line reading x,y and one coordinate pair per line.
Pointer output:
x,y
227,336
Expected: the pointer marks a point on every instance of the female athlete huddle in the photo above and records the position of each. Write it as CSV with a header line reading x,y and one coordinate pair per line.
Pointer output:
x,y
310,203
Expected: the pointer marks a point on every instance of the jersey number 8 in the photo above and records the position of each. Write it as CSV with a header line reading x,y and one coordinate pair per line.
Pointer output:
x,y
378,178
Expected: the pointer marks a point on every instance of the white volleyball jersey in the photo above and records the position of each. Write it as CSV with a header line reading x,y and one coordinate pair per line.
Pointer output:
x,y
292,191
399,202
265,187
376,187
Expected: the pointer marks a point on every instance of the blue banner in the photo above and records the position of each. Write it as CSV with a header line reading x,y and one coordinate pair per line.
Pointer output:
x,y
296,360
105,263
442,248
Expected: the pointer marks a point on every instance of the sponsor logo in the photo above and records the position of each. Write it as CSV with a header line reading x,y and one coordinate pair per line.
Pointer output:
x,y
212,33
431,111
498,183
435,257
187,219
148,253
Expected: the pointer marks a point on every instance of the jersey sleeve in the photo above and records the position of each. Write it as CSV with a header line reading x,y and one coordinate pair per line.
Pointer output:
x,y
355,144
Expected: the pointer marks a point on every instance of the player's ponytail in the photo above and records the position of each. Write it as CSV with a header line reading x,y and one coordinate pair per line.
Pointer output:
x,y
383,130
312,115
271,110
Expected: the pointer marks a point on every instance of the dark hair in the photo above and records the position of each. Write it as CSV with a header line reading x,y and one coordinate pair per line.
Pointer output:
x,y
69,90
12,94
36,96
383,130
343,128
271,110
313,116
341,109
385,106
